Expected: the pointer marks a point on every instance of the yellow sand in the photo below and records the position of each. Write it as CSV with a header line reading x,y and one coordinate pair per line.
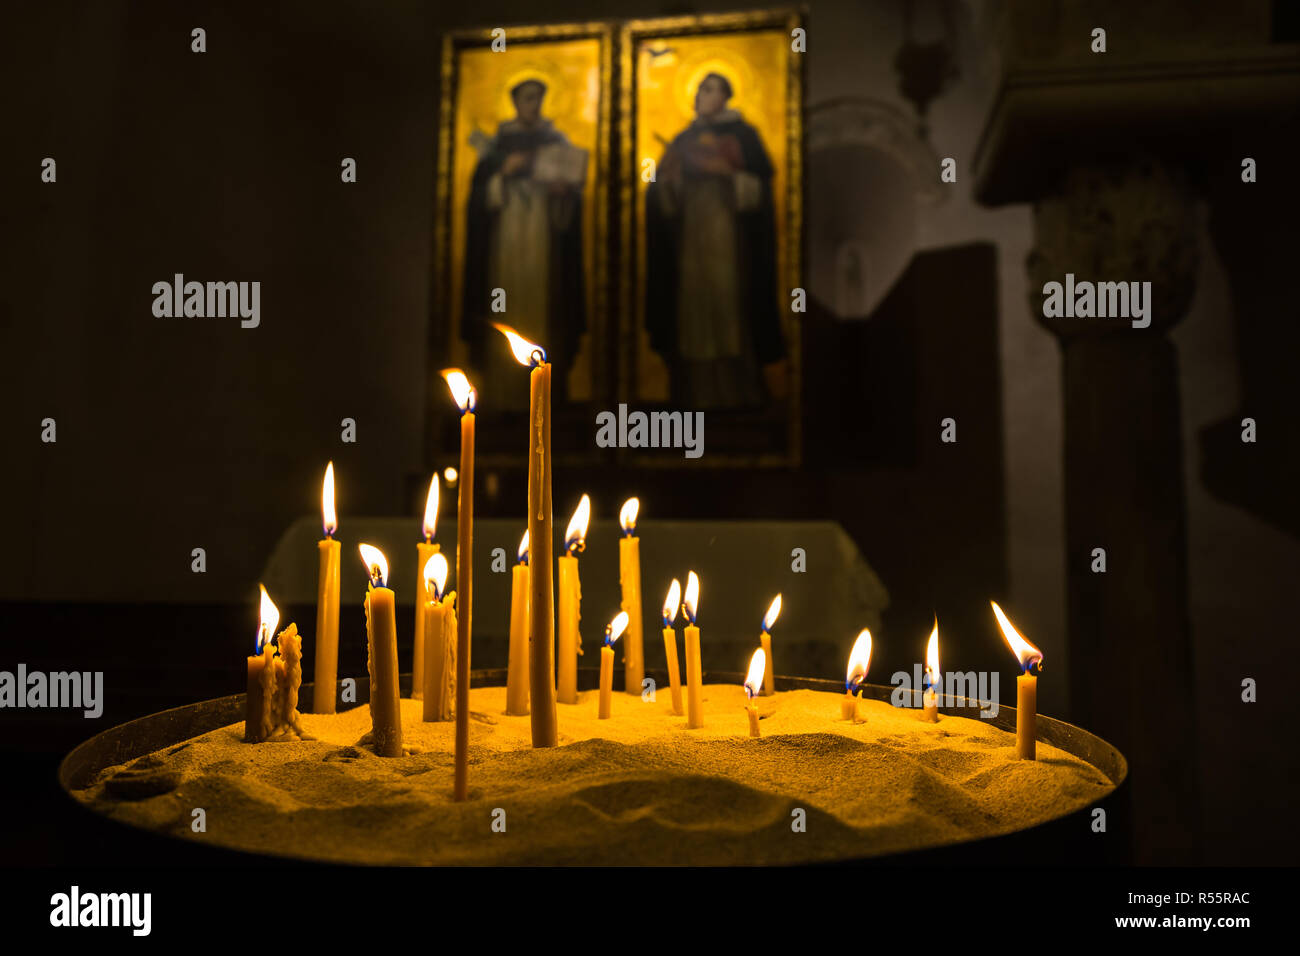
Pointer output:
x,y
638,788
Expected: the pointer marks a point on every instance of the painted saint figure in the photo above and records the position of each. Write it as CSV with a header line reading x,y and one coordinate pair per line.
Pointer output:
x,y
711,282
524,236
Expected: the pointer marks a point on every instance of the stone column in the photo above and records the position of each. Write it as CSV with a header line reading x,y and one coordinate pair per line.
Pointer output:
x,y
1129,640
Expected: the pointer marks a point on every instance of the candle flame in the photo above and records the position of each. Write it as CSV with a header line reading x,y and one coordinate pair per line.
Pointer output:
x,y
859,661
757,665
1026,653
328,517
627,515
932,655
616,628
692,599
523,548
450,474
376,564
526,352
268,619
431,510
671,603
773,612
464,394
435,575
575,538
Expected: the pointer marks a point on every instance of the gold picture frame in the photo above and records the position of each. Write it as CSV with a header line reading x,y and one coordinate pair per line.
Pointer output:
x,y
574,62
757,47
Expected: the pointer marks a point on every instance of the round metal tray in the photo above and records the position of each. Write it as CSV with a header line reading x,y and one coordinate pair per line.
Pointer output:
x,y
1071,837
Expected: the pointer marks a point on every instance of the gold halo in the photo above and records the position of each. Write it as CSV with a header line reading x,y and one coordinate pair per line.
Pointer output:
x,y
556,102
694,68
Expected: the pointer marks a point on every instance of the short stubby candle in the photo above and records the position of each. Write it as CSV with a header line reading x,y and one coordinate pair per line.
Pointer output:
x,y
438,679
258,715
859,663
612,633
1031,662
931,679
754,684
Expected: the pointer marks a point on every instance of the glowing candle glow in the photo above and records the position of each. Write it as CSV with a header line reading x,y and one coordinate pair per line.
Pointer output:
x,y
694,674
769,672
424,550
859,663
381,632
466,398
612,633
570,640
327,604
517,675
541,608
438,678
671,604
932,680
1031,662
629,579
258,715
753,685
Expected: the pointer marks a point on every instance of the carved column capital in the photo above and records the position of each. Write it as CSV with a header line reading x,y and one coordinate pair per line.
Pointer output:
x,y
1127,220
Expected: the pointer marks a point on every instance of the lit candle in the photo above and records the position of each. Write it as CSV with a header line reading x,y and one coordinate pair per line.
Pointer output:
x,y
859,662
438,679
466,398
517,674
258,713
1031,661
425,550
381,632
629,579
932,680
541,607
612,633
753,685
694,692
671,603
570,640
769,678
327,604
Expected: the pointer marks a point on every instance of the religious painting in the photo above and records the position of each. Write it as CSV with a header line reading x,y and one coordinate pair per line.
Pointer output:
x,y
522,214
710,123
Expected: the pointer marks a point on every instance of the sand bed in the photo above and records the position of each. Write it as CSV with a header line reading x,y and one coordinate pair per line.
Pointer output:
x,y
636,789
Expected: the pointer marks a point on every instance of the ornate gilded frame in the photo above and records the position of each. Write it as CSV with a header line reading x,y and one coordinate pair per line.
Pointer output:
x,y
632,284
